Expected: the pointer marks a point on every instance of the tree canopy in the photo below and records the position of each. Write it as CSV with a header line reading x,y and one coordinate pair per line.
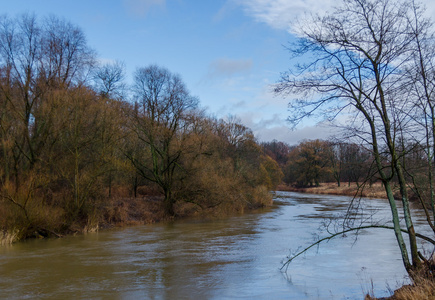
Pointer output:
x,y
77,143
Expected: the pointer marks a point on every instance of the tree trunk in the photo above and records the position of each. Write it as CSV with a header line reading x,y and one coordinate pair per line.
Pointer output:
x,y
135,184
396,224
169,202
416,262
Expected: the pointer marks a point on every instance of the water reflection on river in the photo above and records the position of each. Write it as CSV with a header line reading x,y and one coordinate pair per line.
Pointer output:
x,y
239,257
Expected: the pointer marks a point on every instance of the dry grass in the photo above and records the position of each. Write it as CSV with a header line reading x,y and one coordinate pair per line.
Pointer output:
x,y
424,289
331,188
8,237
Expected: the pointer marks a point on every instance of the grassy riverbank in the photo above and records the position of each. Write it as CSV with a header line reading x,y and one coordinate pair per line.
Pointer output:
x,y
423,289
376,190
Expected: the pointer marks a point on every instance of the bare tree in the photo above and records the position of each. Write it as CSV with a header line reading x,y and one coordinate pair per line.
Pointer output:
x,y
277,150
422,80
67,59
38,59
163,102
109,79
361,52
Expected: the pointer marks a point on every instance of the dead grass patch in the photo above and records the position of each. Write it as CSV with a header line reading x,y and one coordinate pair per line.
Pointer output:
x,y
376,190
423,289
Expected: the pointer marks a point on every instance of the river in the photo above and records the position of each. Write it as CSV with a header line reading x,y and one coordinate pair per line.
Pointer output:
x,y
233,258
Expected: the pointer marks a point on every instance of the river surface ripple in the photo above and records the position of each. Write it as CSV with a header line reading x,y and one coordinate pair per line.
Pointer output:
x,y
234,258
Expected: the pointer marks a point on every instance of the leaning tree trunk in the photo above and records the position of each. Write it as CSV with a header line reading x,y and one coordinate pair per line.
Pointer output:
x,y
396,224
416,263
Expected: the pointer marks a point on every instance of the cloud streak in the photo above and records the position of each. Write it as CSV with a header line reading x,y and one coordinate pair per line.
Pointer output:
x,y
280,14
224,67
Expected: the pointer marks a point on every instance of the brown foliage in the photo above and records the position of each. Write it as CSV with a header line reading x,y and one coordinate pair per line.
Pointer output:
x,y
75,155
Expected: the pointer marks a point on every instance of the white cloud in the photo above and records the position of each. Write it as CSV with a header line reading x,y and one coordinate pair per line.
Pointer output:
x,y
280,14
141,8
276,127
292,137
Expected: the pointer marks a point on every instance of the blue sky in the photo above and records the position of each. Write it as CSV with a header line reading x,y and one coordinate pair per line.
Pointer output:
x,y
228,52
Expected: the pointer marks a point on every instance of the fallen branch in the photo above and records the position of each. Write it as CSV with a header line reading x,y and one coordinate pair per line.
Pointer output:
x,y
286,264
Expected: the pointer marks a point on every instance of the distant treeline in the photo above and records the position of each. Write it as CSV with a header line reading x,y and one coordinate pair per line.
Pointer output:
x,y
312,162
74,136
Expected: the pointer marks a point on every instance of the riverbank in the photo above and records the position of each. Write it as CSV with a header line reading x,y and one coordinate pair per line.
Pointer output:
x,y
150,209
423,290
122,211
376,190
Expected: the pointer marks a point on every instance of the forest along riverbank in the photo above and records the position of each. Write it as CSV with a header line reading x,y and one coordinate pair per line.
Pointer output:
x,y
227,258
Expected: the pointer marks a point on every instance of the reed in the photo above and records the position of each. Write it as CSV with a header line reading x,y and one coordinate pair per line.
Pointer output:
x,y
8,237
424,289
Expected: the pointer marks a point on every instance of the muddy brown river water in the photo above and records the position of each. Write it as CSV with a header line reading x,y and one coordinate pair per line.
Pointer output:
x,y
234,258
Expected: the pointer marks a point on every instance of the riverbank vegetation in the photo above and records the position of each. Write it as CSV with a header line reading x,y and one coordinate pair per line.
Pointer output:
x,y
376,190
79,148
421,289
343,168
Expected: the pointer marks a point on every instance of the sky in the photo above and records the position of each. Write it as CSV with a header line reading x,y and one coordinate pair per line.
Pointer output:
x,y
228,52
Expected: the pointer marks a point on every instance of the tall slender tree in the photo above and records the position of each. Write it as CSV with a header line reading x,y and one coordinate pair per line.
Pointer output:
x,y
362,53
